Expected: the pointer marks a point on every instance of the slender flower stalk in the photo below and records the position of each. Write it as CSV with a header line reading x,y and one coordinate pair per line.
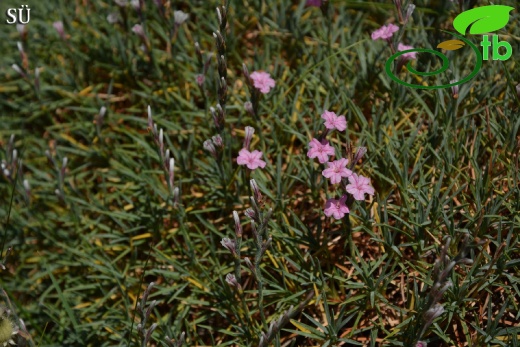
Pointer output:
x,y
168,163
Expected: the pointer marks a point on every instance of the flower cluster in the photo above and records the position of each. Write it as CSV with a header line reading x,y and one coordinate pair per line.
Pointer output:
x,y
386,32
337,171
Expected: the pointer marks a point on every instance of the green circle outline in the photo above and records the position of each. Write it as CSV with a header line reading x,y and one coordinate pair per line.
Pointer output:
x,y
445,65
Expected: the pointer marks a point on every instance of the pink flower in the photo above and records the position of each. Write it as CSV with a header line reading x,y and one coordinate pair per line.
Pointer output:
x,y
251,159
321,150
336,208
358,186
332,121
262,81
407,56
385,32
337,169
315,3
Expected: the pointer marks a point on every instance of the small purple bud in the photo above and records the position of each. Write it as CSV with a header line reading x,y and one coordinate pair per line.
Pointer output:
x,y
59,29
249,108
238,226
232,281
250,213
246,75
409,11
210,147
149,333
230,245
359,154
138,30
249,131
250,265
200,79
256,192
454,90
217,140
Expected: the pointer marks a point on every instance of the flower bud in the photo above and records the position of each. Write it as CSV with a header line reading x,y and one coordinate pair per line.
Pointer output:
x,y
250,265
250,213
238,226
200,80
170,171
230,245
232,281
359,154
217,140
454,90
249,108
409,11
208,146
58,26
256,192
249,135
179,17
199,53
139,31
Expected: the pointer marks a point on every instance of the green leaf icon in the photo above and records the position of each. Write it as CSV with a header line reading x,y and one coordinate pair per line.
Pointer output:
x,y
483,19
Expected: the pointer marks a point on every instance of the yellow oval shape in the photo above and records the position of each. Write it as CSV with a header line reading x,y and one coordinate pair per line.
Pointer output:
x,y
451,45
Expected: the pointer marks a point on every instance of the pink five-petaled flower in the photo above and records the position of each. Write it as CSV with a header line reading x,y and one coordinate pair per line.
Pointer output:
x,y
358,186
321,150
333,121
407,56
336,208
262,81
251,159
315,3
337,169
385,32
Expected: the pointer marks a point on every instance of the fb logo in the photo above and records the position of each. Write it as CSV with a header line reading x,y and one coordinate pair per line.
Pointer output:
x,y
477,21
